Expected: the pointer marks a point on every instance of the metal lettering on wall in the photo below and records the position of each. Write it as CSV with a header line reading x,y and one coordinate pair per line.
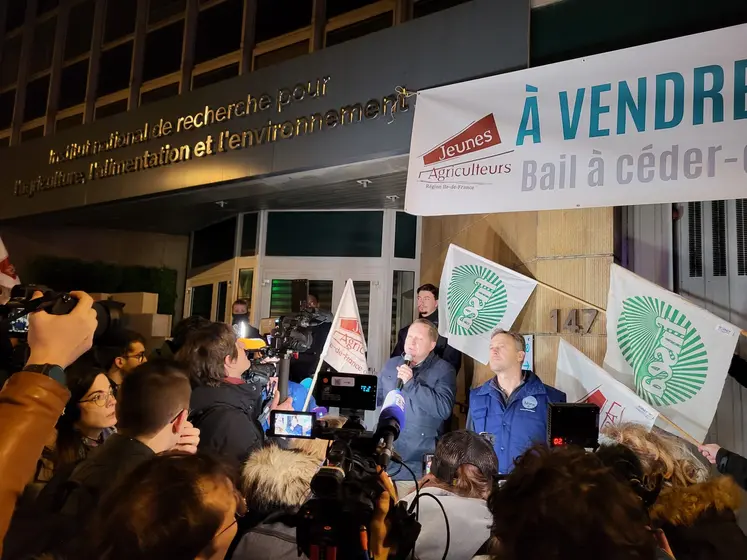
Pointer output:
x,y
212,144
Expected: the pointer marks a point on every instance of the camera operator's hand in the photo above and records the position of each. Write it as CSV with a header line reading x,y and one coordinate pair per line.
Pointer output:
x,y
286,405
380,526
404,373
189,439
62,339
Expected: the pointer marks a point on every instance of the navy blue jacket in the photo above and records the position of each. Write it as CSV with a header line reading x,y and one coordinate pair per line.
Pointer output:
x,y
517,424
429,400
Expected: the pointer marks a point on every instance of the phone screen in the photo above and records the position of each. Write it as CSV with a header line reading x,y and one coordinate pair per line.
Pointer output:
x,y
292,424
427,460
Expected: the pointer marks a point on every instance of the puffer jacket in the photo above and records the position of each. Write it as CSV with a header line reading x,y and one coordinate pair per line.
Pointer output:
x,y
31,403
699,521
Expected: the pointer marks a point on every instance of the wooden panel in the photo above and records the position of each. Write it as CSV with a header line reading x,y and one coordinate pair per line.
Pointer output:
x,y
586,231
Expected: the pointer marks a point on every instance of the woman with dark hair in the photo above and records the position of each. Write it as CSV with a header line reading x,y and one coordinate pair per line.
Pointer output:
x,y
176,505
88,419
463,471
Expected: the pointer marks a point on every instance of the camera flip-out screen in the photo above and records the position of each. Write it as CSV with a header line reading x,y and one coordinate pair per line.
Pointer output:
x,y
346,390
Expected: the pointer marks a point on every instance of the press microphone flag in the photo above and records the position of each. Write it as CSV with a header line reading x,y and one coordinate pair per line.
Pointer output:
x,y
391,423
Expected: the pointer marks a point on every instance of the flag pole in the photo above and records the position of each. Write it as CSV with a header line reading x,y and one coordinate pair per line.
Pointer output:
x,y
591,305
688,437
313,383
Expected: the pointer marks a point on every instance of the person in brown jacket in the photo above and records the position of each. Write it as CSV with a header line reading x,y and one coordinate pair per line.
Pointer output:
x,y
32,400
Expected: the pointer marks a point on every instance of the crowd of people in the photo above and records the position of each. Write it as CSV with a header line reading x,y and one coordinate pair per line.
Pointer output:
x,y
107,454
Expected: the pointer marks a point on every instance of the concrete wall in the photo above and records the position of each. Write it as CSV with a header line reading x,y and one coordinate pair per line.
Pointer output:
x,y
569,250
113,246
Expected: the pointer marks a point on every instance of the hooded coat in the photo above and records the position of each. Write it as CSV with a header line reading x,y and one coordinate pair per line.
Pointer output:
x,y
700,521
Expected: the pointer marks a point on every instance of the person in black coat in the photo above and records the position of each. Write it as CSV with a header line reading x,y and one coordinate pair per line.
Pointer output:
x,y
727,462
223,406
428,309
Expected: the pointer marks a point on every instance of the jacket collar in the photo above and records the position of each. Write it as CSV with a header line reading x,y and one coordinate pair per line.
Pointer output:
x,y
425,364
433,317
532,386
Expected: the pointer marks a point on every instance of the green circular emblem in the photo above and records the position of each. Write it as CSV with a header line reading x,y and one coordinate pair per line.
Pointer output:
x,y
668,357
477,300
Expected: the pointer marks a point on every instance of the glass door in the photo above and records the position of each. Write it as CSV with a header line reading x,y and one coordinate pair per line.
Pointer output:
x,y
209,296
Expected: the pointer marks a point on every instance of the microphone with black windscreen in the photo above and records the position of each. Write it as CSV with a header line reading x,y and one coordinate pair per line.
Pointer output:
x,y
408,361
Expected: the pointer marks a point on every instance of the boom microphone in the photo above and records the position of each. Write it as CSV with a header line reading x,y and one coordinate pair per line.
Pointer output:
x,y
391,423
408,361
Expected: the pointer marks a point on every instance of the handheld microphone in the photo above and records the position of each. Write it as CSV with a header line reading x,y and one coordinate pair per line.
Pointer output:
x,y
408,361
391,423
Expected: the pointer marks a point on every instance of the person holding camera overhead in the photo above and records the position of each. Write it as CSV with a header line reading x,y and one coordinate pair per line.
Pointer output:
x,y
511,408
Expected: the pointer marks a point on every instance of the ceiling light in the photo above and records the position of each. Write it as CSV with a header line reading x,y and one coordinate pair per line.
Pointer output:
x,y
392,197
364,182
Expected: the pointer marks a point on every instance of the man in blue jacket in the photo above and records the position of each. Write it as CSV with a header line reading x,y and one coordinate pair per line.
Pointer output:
x,y
429,391
512,406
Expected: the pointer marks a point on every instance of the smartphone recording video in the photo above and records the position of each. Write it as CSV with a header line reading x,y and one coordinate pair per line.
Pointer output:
x,y
427,461
292,424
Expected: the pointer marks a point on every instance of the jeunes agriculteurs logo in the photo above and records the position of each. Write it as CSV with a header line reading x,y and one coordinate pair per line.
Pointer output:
x,y
668,357
477,300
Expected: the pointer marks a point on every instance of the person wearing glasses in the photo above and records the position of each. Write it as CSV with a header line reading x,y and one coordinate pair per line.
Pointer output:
x,y
152,410
88,419
121,353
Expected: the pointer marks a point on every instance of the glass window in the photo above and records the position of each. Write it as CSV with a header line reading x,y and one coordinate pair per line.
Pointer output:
x,y
73,84
9,62
5,142
80,28
161,9
426,7
32,133
44,6
363,297
338,7
202,301
164,92
281,55
114,72
249,235
15,15
69,122
281,295
220,305
325,234
403,302
41,56
36,99
215,76
7,103
219,30
359,29
246,285
111,109
214,243
405,235
163,51
278,17
120,19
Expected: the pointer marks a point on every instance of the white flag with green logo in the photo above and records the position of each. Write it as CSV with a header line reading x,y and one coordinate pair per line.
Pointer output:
x,y
478,296
674,354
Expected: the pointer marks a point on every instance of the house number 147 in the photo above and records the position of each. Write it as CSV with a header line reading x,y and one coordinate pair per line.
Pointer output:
x,y
571,324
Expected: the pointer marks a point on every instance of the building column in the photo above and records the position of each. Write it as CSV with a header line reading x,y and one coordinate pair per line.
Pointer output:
x,y
188,46
318,23
55,77
138,54
93,68
27,44
248,36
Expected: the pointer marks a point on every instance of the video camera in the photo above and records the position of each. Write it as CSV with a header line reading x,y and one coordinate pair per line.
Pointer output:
x,y
347,487
14,315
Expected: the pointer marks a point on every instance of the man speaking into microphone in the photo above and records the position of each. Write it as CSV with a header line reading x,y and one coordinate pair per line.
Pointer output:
x,y
428,385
